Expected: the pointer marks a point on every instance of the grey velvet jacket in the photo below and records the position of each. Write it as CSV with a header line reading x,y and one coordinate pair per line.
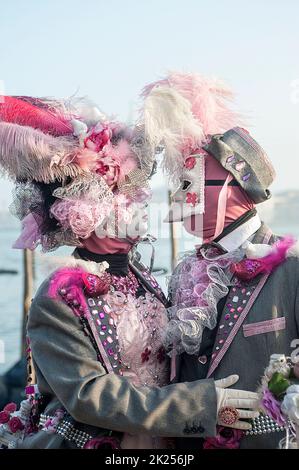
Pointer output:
x,y
267,325
70,375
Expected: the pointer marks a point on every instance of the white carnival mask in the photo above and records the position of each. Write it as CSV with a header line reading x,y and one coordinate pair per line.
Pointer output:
x,y
189,198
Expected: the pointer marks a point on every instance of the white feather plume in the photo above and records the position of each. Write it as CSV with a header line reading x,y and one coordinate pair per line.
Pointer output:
x,y
168,121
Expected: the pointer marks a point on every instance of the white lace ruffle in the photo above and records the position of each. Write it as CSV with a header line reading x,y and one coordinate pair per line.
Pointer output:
x,y
195,289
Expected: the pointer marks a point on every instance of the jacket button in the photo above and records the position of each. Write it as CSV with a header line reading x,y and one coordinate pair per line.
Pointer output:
x,y
203,359
201,429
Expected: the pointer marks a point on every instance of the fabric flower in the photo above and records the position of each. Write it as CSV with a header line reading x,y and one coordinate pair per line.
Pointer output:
x,y
226,438
109,169
98,137
105,442
83,219
10,407
190,163
272,407
192,198
290,404
4,417
15,424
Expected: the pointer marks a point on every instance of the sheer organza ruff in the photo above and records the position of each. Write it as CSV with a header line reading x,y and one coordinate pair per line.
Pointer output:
x,y
195,288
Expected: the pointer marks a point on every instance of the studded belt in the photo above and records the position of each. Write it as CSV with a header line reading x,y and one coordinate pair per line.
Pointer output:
x,y
68,431
263,424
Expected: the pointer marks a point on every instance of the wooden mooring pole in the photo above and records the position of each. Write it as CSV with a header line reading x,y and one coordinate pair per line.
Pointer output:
x,y
28,272
173,239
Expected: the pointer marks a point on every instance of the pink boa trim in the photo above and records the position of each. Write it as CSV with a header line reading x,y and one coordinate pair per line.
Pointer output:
x,y
70,280
249,268
278,255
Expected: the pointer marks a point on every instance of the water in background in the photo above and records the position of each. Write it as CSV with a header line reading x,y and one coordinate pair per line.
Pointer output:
x,y
11,286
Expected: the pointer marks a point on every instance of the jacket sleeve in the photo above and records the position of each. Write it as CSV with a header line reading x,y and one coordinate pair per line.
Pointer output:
x,y
67,361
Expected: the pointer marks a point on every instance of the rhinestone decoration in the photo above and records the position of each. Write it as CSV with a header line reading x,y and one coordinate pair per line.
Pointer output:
x,y
231,314
228,415
230,159
68,431
263,424
103,323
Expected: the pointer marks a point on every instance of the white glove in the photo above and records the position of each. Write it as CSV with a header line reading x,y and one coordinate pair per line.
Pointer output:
x,y
246,403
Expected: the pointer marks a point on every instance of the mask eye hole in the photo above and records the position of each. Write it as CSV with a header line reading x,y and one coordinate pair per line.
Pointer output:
x,y
186,184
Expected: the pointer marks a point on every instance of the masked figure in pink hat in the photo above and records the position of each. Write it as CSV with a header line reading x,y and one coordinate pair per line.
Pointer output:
x,y
96,325
234,301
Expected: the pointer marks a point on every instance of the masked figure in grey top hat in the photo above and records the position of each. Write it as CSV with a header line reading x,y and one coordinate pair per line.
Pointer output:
x,y
230,310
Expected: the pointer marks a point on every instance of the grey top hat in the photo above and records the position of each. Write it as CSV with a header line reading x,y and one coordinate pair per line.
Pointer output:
x,y
244,158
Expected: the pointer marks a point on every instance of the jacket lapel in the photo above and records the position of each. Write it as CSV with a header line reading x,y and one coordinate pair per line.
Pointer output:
x,y
239,302
240,299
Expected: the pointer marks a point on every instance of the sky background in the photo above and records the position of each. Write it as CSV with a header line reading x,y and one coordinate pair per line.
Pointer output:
x,y
108,50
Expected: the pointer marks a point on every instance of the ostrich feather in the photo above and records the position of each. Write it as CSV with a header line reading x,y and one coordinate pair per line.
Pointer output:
x,y
34,113
182,110
211,100
168,120
29,154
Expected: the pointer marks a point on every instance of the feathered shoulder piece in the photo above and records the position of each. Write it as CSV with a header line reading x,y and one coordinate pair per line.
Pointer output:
x,y
180,111
72,284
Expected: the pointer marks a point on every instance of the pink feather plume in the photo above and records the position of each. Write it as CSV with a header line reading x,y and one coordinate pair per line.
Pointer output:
x,y
249,268
278,254
70,279
211,100
24,113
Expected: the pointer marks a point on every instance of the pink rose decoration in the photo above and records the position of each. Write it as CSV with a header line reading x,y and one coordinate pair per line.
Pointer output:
x,y
190,163
15,424
84,218
4,417
109,169
98,137
226,438
102,443
80,216
10,407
